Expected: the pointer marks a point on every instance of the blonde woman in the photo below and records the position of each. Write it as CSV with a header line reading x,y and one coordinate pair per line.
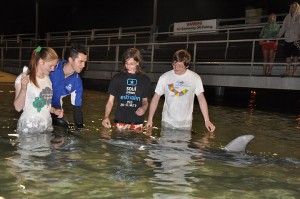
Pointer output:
x,y
269,45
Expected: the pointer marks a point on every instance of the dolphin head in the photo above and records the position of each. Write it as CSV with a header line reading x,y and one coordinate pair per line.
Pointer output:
x,y
239,144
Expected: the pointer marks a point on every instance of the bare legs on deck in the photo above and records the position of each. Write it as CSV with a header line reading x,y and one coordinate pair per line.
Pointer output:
x,y
289,61
269,55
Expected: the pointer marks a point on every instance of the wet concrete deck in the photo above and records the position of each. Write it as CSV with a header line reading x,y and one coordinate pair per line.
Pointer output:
x,y
7,77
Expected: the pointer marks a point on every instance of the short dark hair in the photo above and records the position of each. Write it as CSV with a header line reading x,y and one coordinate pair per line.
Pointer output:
x,y
182,56
75,49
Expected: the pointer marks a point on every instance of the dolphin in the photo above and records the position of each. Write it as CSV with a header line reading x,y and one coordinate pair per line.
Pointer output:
x,y
234,153
239,144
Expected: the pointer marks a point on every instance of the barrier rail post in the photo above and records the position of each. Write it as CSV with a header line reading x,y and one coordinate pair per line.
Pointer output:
x,y
20,57
93,34
194,56
252,57
120,33
227,43
117,57
152,56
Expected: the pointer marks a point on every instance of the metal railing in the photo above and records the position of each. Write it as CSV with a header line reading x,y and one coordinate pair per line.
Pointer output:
x,y
157,56
100,33
228,25
210,55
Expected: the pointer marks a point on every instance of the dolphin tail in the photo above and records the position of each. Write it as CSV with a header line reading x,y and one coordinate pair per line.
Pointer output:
x,y
239,144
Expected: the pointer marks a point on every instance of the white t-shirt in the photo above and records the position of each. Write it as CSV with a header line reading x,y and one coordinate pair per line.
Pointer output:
x,y
36,115
179,91
290,28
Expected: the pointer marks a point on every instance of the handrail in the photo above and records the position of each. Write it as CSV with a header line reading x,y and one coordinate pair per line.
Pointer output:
x,y
263,18
139,30
22,56
16,37
94,33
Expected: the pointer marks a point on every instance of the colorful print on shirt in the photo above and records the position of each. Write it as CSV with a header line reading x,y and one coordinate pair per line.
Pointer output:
x,y
179,88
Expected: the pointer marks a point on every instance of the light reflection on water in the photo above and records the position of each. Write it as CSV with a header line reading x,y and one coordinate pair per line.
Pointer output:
x,y
99,163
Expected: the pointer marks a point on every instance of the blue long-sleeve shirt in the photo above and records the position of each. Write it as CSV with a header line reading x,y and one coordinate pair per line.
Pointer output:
x,y
62,86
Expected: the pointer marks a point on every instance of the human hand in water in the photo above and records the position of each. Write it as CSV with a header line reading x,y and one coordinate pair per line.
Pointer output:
x,y
106,122
149,124
210,127
58,112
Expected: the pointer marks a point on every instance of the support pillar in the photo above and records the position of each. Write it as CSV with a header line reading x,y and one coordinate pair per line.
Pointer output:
x,y
219,91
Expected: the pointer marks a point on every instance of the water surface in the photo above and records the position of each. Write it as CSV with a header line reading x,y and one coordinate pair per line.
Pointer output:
x,y
100,163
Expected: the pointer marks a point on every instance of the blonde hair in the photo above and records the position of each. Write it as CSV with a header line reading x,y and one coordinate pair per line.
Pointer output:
x,y
297,7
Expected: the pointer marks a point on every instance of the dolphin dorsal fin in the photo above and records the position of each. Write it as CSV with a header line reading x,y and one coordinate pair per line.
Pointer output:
x,y
239,144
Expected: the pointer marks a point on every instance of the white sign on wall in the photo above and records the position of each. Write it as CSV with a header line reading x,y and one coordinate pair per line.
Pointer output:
x,y
196,26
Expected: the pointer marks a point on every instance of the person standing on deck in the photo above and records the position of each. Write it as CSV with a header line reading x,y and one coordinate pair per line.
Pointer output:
x,y
269,45
291,30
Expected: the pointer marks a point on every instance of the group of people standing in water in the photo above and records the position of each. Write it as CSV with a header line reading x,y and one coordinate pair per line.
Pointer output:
x,y
131,88
40,89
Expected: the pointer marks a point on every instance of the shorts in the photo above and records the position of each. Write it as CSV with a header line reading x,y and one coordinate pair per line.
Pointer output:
x,y
290,50
123,126
269,45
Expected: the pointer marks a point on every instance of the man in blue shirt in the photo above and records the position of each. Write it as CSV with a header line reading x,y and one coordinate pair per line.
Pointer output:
x,y
66,81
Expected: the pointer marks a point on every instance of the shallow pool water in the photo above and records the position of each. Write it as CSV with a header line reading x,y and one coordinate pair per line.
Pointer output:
x,y
101,163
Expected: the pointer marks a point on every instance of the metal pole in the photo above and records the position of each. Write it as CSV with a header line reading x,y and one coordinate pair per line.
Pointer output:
x,y
153,30
154,20
36,19
252,57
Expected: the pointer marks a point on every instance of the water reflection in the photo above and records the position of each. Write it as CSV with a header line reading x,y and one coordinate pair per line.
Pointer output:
x,y
172,162
125,148
38,156
38,144
32,149
298,118
165,151
252,101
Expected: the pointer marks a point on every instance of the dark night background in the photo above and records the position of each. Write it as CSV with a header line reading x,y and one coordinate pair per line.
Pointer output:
x,y
18,16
